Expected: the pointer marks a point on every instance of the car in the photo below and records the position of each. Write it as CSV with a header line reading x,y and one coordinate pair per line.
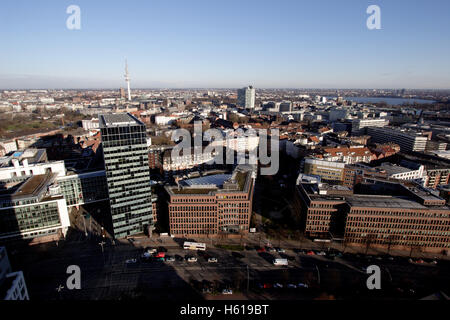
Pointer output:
x,y
278,285
212,260
169,259
310,253
271,249
280,250
302,285
227,291
206,290
260,250
321,253
192,259
178,258
291,286
146,256
419,261
130,261
150,250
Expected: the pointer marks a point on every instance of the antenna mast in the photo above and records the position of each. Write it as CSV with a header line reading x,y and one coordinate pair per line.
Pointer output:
x,y
127,79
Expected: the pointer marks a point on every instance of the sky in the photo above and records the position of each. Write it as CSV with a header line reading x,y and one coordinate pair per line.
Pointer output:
x,y
225,44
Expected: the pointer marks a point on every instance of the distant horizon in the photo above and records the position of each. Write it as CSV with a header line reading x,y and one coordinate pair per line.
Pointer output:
x,y
221,88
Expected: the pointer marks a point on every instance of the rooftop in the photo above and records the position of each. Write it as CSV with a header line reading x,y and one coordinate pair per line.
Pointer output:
x,y
231,182
377,201
216,180
117,120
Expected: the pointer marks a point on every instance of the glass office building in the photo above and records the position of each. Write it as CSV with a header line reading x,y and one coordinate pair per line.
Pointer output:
x,y
83,188
127,173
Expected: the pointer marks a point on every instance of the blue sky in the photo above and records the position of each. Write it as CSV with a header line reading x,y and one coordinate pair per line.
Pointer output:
x,y
197,43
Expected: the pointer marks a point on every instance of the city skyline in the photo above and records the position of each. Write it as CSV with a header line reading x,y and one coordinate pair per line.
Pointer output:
x,y
225,45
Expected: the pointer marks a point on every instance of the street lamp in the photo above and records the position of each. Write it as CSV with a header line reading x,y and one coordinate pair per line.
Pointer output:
x,y
248,279
318,274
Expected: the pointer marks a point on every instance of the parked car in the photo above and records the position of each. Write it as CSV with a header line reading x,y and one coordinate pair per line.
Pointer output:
x,y
146,256
178,258
321,253
310,253
150,250
291,286
302,285
169,258
206,290
130,261
192,259
278,285
261,249
212,260
227,291
280,250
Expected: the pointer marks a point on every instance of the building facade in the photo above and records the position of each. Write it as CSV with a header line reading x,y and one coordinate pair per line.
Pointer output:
x,y
32,207
12,284
390,215
211,206
408,140
127,173
246,97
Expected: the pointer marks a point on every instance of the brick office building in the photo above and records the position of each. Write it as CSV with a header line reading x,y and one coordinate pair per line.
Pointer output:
x,y
212,206
382,214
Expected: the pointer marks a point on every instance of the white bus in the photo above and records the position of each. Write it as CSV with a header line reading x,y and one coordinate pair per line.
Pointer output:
x,y
280,262
194,246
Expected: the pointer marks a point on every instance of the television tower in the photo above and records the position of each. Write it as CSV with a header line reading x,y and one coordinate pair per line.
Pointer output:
x,y
127,79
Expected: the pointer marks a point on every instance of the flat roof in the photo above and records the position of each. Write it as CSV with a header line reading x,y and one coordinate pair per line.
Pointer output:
x,y
216,180
117,120
393,169
377,201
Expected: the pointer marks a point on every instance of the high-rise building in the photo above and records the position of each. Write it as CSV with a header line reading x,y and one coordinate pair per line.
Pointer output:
x,y
246,97
127,173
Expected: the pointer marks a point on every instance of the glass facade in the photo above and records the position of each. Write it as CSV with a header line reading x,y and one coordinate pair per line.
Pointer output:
x,y
127,173
31,218
84,188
